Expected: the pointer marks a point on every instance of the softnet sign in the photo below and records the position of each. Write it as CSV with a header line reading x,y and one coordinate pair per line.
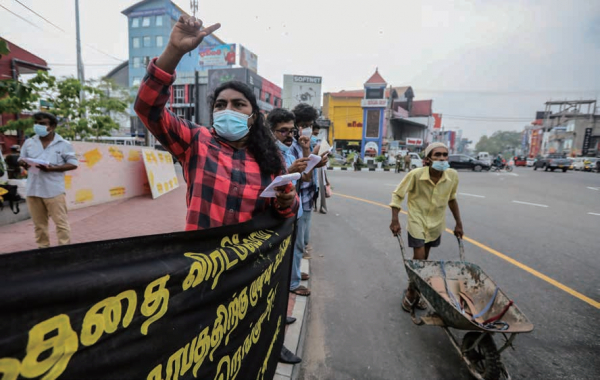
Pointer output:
x,y
301,89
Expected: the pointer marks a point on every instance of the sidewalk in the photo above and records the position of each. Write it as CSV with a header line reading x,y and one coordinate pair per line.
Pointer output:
x,y
145,216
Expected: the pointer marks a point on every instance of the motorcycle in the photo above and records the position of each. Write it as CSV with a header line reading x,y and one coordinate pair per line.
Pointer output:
x,y
503,167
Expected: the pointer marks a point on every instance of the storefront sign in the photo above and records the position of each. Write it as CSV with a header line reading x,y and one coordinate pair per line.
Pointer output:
x,y
221,55
586,141
411,141
307,79
374,102
248,59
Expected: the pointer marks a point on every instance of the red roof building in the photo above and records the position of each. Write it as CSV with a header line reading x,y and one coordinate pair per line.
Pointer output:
x,y
18,61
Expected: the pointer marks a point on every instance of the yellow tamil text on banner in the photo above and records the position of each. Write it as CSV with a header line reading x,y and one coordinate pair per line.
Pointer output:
x,y
161,171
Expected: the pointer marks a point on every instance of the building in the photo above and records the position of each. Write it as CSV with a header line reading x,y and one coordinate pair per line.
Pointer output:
x,y
149,25
17,62
393,118
570,127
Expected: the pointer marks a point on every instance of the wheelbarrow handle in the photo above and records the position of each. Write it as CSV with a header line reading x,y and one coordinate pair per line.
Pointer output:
x,y
461,249
401,246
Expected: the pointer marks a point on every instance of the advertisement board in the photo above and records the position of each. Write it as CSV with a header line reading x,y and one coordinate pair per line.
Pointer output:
x,y
301,89
220,55
413,141
160,170
373,103
248,59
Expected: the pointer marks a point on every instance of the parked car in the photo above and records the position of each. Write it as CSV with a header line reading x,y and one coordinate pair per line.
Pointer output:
x,y
484,157
589,164
520,161
530,162
462,161
552,162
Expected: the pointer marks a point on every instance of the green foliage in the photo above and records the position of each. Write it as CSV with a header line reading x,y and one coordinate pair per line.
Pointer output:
x,y
94,116
499,142
380,158
4,50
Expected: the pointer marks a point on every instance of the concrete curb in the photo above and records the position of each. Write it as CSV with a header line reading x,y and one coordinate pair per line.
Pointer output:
x,y
362,169
294,336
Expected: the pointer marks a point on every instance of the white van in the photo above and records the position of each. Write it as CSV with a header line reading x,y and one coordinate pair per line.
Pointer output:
x,y
415,159
484,157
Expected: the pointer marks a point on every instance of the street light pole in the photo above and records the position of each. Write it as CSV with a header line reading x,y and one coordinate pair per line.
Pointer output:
x,y
80,74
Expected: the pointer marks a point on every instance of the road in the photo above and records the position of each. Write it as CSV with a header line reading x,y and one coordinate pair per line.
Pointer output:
x,y
535,233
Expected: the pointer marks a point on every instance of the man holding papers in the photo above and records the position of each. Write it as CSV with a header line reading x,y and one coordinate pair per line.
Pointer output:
x,y
47,156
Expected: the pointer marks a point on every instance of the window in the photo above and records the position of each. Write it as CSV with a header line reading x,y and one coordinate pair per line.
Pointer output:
x,y
135,22
146,60
146,21
159,41
180,112
178,94
136,81
257,92
267,97
159,20
137,62
373,123
147,41
136,42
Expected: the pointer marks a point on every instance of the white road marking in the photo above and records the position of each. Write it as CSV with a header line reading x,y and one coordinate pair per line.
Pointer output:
x,y
530,204
594,188
472,195
593,213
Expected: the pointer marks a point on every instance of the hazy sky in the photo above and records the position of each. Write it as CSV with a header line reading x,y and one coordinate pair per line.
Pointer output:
x,y
482,58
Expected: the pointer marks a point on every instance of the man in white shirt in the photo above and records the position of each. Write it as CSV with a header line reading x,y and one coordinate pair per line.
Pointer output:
x,y
46,183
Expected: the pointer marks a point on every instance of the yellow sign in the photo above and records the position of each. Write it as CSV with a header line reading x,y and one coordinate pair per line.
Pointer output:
x,y
117,192
92,157
134,155
84,195
116,153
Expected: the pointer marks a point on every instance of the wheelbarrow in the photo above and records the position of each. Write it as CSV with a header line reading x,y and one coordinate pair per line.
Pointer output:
x,y
459,295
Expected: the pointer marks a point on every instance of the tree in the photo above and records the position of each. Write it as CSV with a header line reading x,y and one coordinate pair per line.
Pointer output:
x,y
94,116
499,142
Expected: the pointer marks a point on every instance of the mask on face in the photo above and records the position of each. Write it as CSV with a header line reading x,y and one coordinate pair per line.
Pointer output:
x,y
231,125
284,148
307,132
440,166
40,130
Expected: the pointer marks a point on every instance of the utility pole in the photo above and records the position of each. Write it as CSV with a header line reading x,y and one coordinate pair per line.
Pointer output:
x,y
196,97
80,74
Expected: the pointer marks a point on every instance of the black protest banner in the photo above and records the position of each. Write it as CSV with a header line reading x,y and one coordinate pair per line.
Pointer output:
x,y
204,304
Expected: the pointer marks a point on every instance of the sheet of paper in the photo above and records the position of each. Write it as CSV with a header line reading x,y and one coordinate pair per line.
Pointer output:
x,y
33,163
313,160
325,147
281,180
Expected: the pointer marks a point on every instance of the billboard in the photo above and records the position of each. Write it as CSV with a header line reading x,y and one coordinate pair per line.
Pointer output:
x,y
248,59
438,120
220,55
301,89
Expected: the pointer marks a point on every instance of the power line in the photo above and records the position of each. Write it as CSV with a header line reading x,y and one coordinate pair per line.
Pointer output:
x,y
57,27
40,16
22,18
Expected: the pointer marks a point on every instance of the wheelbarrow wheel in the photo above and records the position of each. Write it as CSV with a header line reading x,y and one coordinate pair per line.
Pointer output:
x,y
484,358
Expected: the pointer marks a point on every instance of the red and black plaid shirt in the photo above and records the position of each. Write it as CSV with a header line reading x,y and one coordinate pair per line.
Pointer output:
x,y
224,184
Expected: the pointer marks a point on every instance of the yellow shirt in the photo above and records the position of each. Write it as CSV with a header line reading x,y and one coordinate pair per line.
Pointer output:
x,y
427,201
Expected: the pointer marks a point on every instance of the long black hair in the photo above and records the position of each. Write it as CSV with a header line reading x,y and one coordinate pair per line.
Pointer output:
x,y
260,140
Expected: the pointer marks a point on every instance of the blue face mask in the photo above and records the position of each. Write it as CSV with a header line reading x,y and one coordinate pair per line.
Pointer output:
x,y
440,166
40,130
282,147
231,125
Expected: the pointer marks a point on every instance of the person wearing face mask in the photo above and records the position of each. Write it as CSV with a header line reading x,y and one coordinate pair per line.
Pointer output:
x,y
429,190
227,167
46,187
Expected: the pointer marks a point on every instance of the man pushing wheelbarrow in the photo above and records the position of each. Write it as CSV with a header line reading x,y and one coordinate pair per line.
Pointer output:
x,y
429,190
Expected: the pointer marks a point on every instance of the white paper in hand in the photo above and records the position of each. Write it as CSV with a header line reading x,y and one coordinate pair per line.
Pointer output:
x,y
281,180
325,147
33,163
313,160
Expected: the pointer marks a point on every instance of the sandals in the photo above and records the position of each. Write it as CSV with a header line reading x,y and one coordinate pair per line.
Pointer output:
x,y
408,306
301,291
304,276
